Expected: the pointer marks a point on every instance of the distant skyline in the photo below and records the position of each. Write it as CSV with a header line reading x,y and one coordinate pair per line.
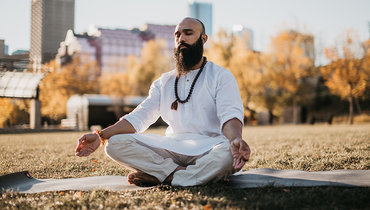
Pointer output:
x,y
325,19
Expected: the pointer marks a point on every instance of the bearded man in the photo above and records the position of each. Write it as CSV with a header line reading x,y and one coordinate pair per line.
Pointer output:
x,y
200,102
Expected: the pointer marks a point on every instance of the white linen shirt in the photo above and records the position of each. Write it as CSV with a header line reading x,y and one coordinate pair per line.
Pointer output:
x,y
196,126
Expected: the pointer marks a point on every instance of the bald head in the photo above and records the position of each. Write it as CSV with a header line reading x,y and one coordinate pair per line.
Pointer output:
x,y
196,21
189,30
199,24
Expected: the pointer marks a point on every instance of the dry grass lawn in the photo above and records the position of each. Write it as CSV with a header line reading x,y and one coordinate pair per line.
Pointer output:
x,y
301,147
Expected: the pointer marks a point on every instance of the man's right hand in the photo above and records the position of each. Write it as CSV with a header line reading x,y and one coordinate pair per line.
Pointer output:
x,y
87,144
240,151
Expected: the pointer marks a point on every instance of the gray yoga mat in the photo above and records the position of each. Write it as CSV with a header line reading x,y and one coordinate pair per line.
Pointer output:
x,y
294,178
265,177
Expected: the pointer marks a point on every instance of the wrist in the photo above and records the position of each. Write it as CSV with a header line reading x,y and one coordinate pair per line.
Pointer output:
x,y
237,138
101,138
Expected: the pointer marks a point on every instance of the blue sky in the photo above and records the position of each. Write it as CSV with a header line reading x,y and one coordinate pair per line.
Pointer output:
x,y
325,19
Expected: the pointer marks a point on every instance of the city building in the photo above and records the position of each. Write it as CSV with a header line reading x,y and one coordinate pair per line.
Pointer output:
x,y
50,21
18,61
246,33
203,12
19,51
2,48
111,47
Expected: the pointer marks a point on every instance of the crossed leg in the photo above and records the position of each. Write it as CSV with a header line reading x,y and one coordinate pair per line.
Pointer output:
x,y
154,166
143,179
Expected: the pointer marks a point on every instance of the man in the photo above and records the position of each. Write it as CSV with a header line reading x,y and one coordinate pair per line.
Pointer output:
x,y
200,102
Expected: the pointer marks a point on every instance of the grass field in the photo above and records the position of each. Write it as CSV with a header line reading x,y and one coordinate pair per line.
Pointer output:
x,y
301,147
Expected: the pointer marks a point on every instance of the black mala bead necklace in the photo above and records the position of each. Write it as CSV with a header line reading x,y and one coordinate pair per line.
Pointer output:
x,y
175,104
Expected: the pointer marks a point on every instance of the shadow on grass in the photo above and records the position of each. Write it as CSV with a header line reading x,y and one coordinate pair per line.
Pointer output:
x,y
217,196
222,195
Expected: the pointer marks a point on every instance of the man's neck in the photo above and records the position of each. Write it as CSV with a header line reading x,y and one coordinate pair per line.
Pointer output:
x,y
199,64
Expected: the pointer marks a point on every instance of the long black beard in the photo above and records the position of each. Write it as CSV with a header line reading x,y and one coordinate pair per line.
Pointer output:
x,y
188,57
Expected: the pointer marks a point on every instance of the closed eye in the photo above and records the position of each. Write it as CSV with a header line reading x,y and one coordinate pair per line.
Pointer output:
x,y
187,32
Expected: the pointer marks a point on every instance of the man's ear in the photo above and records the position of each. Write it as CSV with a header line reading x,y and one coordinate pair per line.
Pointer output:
x,y
204,38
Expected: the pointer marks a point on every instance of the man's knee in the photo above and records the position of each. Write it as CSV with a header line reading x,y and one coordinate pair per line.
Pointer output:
x,y
214,166
117,143
225,161
219,159
223,157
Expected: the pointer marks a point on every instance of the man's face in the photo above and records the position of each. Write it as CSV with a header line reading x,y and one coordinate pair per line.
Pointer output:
x,y
188,31
189,38
188,56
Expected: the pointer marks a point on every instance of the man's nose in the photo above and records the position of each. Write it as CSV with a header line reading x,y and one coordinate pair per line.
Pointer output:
x,y
182,42
181,39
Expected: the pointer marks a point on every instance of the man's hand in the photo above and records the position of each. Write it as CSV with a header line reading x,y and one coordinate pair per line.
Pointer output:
x,y
87,144
240,151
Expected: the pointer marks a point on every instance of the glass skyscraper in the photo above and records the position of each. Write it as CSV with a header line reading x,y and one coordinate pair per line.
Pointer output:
x,y
50,21
203,12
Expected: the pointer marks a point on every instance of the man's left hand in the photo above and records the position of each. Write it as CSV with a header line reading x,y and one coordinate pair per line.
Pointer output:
x,y
240,151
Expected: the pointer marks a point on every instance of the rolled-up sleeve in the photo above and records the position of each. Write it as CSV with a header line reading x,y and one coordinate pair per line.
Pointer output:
x,y
228,101
146,113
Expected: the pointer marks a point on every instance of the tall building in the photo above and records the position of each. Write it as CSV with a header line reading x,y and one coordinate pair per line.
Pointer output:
x,y
50,21
110,48
2,48
203,12
6,50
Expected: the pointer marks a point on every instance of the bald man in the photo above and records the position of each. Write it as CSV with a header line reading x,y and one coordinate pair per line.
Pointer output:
x,y
201,104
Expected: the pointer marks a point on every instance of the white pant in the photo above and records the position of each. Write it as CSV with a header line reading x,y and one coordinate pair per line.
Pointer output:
x,y
213,165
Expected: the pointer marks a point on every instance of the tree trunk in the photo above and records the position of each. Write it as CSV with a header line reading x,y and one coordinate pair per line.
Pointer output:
x,y
271,117
295,115
350,100
358,106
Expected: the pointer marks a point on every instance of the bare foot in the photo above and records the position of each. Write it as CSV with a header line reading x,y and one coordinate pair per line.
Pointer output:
x,y
142,179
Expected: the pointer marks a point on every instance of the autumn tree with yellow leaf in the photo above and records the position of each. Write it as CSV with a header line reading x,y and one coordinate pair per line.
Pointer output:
x,y
154,61
139,73
246,66
13,112
348,73
292,63
220,49
121,83
249,68
62,82
366,68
